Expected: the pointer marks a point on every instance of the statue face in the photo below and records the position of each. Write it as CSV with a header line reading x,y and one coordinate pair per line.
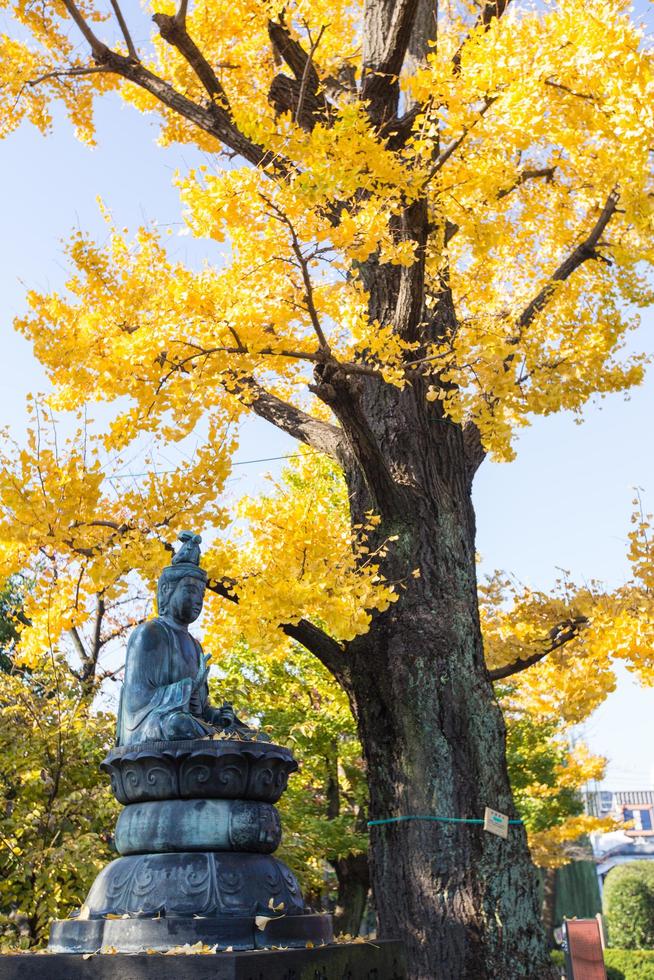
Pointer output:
x,y
185,604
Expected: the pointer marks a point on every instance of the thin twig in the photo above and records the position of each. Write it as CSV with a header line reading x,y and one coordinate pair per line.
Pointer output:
x,y
305,74
125,31
99,49
306,277
455,144
67,73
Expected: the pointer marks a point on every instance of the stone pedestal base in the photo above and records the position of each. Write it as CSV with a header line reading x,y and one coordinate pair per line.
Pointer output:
x,y
235,932
381,961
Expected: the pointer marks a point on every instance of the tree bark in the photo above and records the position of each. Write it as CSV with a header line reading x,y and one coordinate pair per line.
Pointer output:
x,y
353,875
465,902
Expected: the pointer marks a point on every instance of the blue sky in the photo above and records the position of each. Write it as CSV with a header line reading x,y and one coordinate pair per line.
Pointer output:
x,y
565,502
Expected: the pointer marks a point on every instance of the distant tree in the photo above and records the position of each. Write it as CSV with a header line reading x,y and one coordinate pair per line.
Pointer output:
x,y
11,598
56,808
325,809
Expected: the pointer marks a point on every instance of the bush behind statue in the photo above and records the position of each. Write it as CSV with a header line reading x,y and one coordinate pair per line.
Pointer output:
x,y
629,905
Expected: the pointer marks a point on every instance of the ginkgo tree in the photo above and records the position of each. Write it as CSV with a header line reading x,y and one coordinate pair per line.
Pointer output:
x,y
437,221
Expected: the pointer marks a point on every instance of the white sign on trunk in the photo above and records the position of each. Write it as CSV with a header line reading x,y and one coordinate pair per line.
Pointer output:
x,y
496,823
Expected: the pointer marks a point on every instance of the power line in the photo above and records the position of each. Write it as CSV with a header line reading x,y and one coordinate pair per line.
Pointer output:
x,y
241,462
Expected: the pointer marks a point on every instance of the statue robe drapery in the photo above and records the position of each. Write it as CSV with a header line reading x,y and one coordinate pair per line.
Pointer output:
x,y
161,668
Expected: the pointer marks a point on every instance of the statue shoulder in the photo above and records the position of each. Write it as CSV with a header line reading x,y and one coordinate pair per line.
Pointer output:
x,y
150,635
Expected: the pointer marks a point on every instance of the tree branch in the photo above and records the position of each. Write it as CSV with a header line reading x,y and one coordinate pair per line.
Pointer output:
x,y
73,632
67,73
328,651
99,49
125,32
557,637
582,253
524,176
100,610
300,95
292,52
322,436
173,30
307,76
214,119
306,276
361,449
473,448
383,63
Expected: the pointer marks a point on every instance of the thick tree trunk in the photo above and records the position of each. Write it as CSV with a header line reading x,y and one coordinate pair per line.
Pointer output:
x,y
353,877
465,902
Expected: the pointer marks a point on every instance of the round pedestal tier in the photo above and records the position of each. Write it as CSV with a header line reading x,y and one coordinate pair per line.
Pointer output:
x,y
198,825
203,768
194,883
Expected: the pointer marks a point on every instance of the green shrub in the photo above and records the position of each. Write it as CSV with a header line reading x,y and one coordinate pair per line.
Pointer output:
x,y
629,964
629,905
622,964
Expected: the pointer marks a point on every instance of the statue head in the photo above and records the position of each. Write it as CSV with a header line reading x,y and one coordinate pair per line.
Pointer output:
x,y
180,590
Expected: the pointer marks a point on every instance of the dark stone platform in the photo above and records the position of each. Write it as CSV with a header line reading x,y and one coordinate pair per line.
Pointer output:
x,y
234,932
348,961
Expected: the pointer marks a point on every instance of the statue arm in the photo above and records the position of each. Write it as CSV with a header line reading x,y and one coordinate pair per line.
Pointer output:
x,y
148,686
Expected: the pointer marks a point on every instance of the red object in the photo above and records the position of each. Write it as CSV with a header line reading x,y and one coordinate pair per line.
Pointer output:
x,y
584,953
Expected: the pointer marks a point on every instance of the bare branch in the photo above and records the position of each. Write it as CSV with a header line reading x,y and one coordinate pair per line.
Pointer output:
x,y
526,175
99,49
292,52
322,436
307,74
125,32
67,73
330,653
557,637
582,253
301,94
306,276
173,30
82,653
100,610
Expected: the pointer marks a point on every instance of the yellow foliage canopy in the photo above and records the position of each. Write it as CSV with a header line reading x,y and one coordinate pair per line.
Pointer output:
x,y
528,142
